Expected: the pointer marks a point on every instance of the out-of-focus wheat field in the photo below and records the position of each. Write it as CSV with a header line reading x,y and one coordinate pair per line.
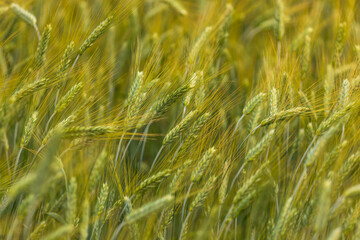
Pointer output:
x,y
179,119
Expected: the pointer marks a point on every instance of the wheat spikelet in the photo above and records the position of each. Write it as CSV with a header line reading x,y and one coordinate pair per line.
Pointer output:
x,y
138,99
202,195
175,182
194,79
71,202
201,167
22,13
168,218
42,47
29,89
96,33
148,208
260,147
151,182
112,211
243,203
100,205
174,133
224,184
64,64
198,125
251,105
193,133
29,129
247,188
344,96
273,102
333,119
59,127
68,98
284,115
163,105
200,93
199,45
134,89
100,208
91,131
254,119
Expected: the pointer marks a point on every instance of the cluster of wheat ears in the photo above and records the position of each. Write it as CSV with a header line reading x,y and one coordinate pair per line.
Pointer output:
x,y
179,119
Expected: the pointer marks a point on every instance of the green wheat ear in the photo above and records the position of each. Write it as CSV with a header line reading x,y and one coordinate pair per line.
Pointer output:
x,y
201,196
42,47
148,208
68,97
151,182
29,129
30,89
96,33
260,147
284,115
182,126
250,106
201,167
204,36
65,61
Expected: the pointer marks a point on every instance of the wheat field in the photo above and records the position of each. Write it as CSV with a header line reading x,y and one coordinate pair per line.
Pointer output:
x,y
179,119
